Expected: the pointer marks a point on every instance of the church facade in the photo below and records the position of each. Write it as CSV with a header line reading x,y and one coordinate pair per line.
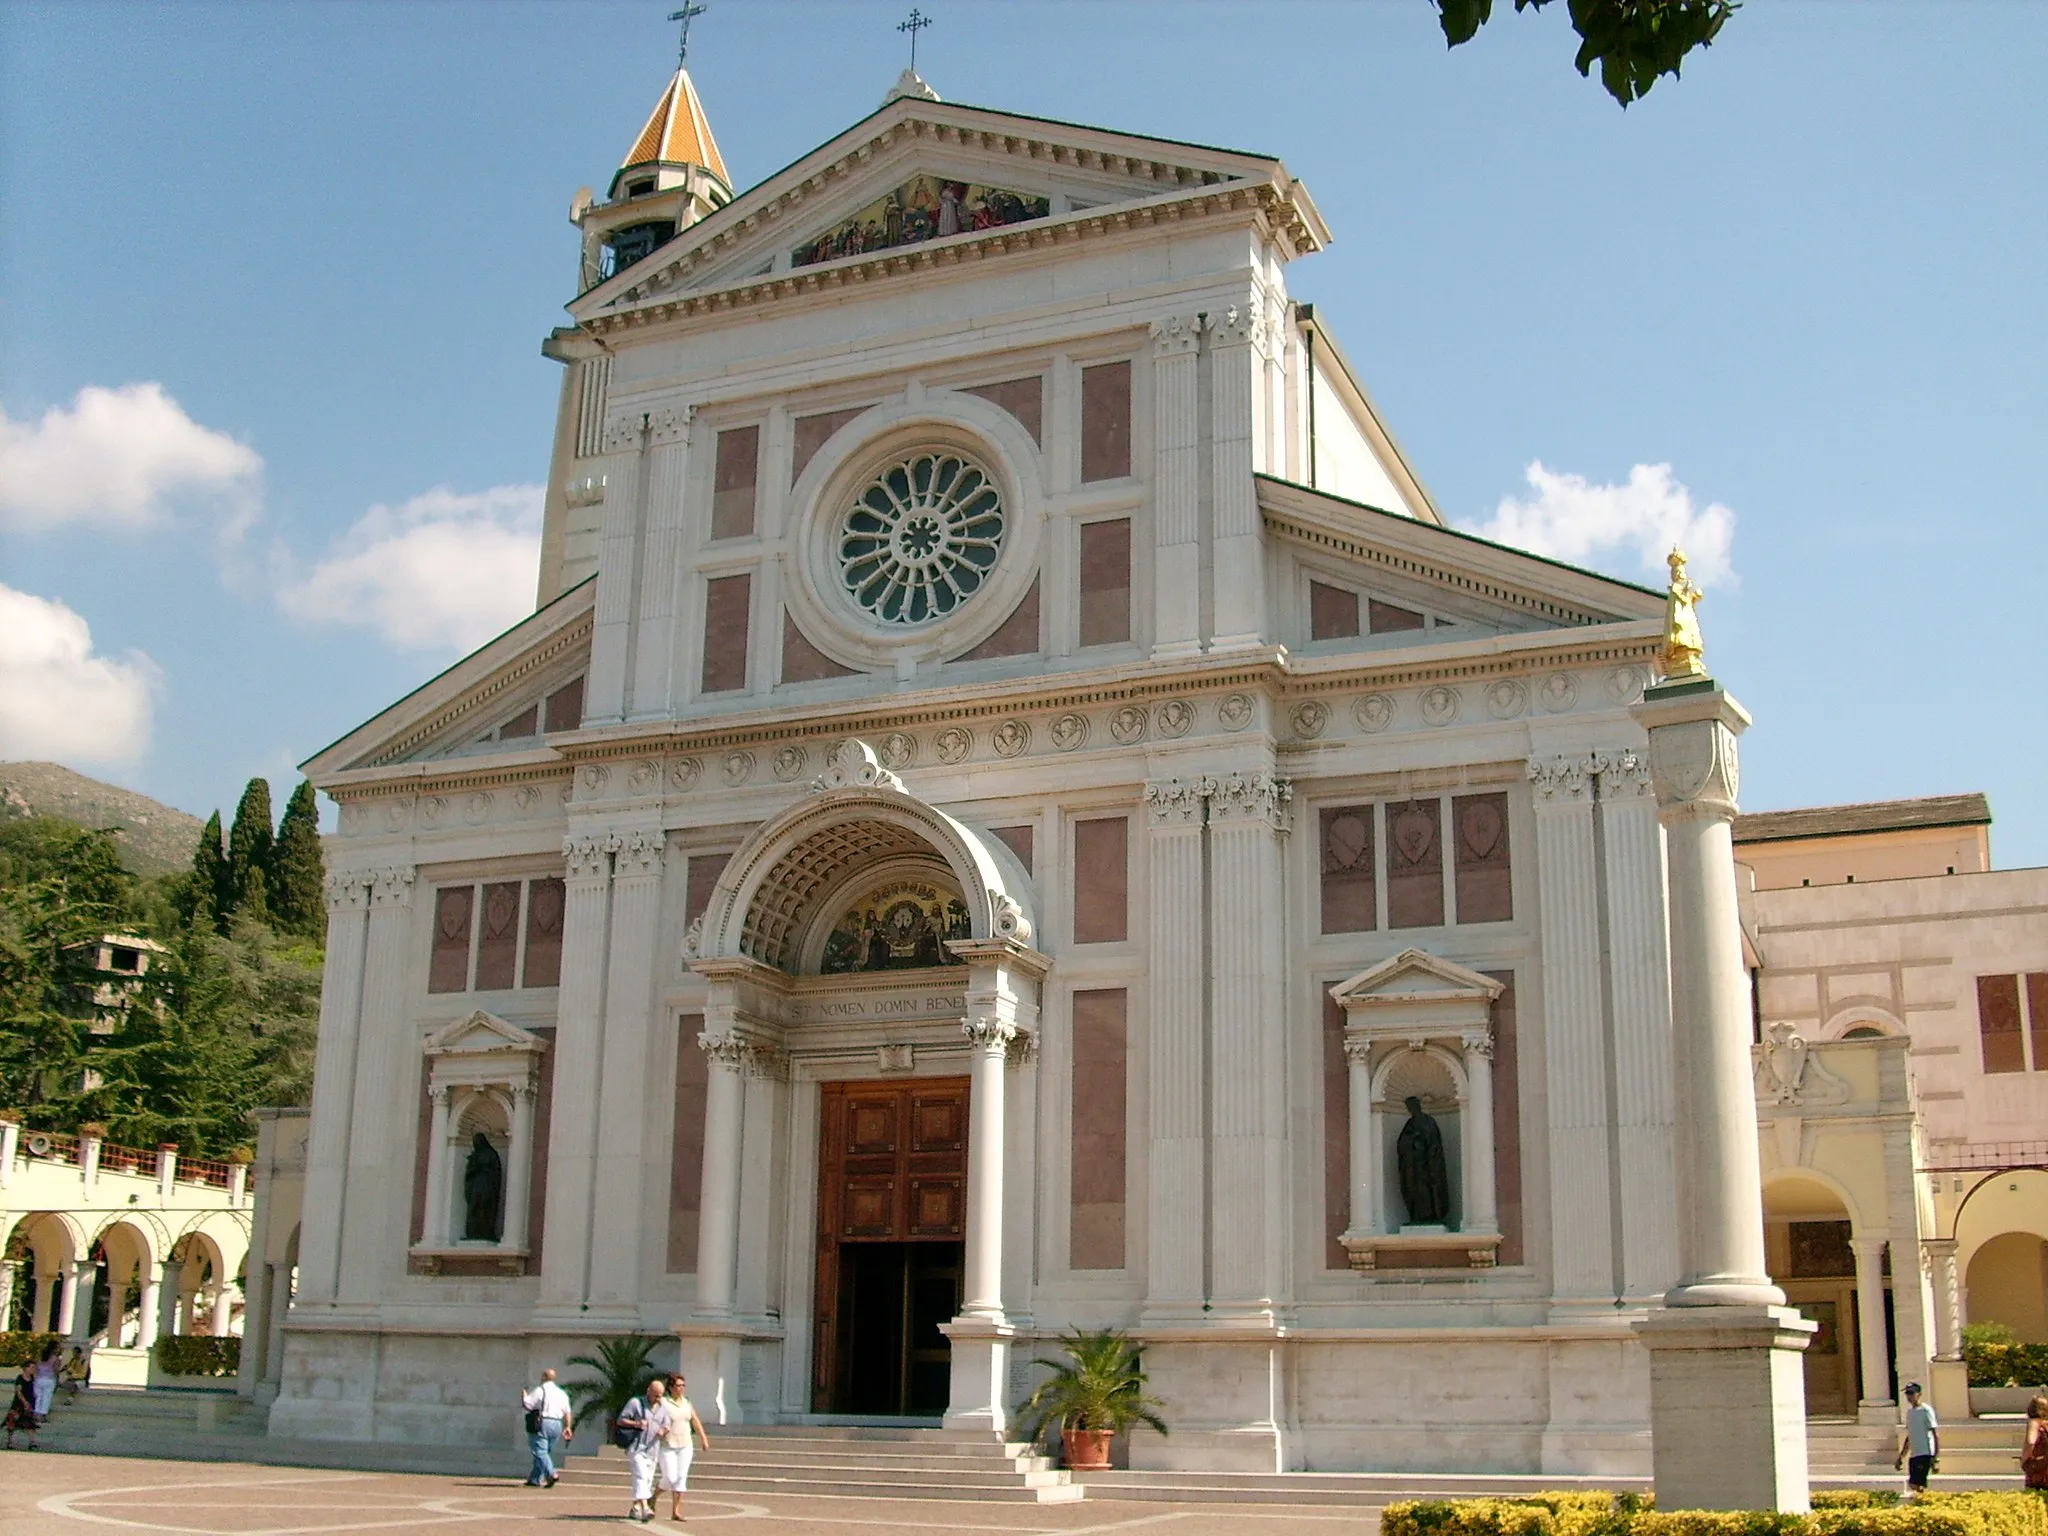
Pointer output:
x,y
1013,812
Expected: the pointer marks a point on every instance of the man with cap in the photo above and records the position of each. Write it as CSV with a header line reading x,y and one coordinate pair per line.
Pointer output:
x,y
1919,1441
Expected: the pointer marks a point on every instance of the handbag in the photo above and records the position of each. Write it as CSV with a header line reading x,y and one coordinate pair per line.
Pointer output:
x,y
533,1421
623,1437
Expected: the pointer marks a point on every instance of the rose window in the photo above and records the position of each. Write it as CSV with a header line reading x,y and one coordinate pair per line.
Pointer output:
x,y
921,538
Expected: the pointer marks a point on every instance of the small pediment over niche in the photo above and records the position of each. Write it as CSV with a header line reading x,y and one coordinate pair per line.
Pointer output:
x,y
1415,976
483,1033
925,207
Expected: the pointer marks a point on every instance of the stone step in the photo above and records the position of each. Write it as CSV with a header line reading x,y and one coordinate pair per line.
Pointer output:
x,y
1028,1488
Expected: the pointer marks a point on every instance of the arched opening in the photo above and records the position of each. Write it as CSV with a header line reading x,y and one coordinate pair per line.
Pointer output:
x,y
1808,1246
2008,1284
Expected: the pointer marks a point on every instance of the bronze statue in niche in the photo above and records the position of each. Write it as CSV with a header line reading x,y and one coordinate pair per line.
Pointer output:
x,y
1424,1174
483,1192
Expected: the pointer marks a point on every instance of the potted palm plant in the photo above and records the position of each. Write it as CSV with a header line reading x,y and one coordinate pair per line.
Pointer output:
x,y
621,1368
1093,1394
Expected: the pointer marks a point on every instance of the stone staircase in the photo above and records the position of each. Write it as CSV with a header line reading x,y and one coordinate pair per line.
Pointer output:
x,y
855,1461
1977,1449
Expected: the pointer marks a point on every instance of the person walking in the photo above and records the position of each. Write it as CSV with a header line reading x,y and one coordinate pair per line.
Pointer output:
x,y
1919,1441
47,1370
646,1419
550,1425
2034,1452
676,1450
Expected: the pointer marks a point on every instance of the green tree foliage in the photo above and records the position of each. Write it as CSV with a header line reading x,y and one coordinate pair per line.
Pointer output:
x,y
1635,42
221,1024
207,896
298,871
250,841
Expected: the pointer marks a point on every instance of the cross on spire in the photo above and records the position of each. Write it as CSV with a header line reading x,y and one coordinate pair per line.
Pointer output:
x,y
683,47
917,23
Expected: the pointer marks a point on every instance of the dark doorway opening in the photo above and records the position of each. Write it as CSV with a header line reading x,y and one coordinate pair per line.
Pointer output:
x,y
892,1298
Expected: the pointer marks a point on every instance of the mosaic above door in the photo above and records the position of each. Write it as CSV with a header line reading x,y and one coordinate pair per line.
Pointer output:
x,y
899,926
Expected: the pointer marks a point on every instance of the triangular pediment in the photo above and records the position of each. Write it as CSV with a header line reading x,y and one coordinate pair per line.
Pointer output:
x,y
1458,586
1005,172
1415,976
481,1033
465,710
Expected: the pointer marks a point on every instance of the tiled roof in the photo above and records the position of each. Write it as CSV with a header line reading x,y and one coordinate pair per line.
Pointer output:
x,y
677,132
1876,816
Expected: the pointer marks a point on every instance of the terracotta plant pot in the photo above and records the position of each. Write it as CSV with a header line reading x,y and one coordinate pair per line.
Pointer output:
x,y
1087,1450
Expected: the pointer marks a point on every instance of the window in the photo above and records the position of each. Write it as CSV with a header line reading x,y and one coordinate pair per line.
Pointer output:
x,y
1397,848
1106,422
1332,612
2012,1022
561,710
737,471
488,934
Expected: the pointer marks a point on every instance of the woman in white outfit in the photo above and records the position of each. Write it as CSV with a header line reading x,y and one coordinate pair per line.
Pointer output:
x,y
676,1451
650,1416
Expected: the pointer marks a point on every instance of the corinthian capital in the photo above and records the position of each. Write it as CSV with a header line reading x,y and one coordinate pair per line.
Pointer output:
x,y
728,1051
637,854
391,886
1564,780
1624,775
1177,802
1251,797
587,857
1176,335
348,890
988,1032
1237,326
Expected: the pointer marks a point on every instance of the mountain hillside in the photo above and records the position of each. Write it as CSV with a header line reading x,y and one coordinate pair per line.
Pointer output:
x,y
153,837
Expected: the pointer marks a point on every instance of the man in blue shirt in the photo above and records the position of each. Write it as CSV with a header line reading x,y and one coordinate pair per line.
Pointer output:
x,y
1919,1441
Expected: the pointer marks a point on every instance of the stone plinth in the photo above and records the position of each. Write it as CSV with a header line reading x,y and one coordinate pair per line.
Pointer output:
x,y
1728,1406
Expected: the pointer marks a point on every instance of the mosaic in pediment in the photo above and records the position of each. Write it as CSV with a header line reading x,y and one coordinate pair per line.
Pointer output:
x,y
900,926
923,208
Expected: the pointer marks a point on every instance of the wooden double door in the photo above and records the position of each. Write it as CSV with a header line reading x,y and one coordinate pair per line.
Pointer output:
x,y
892,1220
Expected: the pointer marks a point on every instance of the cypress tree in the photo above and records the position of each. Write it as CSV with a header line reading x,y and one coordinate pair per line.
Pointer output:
x,y
249,844
206,891
298,871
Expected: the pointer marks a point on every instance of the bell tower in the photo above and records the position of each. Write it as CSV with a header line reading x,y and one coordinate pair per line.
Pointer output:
x,y
671,177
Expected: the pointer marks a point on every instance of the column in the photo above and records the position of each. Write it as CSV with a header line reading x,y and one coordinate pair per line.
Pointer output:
x,y
434,1229
1247,1104
1639,985
1727,1386
618,575
334,1082
1235,362
1002,1011
1175,812
1481,1203
147,1308
44,1303
8,1270
170,1283
1948,1299
651,689
618,1222
89,1144
166,1169
1875,1401
519,1167
710,1343
375,1222
1365,1144
74,1302
1574,1039
1177,486
982,1279
579,1029
223,1310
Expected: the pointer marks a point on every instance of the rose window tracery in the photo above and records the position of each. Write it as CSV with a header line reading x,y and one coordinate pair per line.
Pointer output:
x,y
921,538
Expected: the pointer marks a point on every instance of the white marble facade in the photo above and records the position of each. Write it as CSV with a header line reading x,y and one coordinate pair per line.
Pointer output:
x,y
668,869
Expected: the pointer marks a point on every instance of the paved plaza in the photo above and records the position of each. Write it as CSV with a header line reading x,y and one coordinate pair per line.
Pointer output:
x,y
49,1494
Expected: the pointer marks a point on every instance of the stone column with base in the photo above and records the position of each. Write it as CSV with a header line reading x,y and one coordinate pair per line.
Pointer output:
x,y
1875,1404
1727,1387
1947,1376
711,1344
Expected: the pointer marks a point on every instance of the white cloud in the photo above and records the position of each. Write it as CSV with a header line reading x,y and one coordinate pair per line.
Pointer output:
x,y
120,458
57,699
1570,518
443,570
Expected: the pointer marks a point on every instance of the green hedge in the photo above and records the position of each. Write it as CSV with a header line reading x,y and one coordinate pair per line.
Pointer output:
x,y
1835,1514
2007,1365
20,1348
198,1354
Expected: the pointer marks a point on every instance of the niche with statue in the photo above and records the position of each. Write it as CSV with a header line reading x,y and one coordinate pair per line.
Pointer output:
x,y
483,1077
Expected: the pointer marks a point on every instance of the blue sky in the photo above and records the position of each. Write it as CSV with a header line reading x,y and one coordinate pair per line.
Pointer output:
x,y
1808,277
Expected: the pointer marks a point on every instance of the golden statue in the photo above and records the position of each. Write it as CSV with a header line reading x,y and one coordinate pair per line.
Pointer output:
x,y
1683,646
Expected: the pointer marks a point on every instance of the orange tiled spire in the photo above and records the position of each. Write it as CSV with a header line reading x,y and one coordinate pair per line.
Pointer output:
x,y
677,132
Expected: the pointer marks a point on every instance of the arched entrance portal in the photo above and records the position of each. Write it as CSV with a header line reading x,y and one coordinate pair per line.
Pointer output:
x,y
872,986
1809,1243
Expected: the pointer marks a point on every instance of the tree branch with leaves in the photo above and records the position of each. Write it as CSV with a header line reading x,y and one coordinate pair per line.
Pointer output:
x,y
1635,42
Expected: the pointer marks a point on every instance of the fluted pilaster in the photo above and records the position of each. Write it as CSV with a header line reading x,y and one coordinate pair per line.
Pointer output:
x,y
1177,484
1235,366
374,1229
652,690
1175,813
579,1027
334,1083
